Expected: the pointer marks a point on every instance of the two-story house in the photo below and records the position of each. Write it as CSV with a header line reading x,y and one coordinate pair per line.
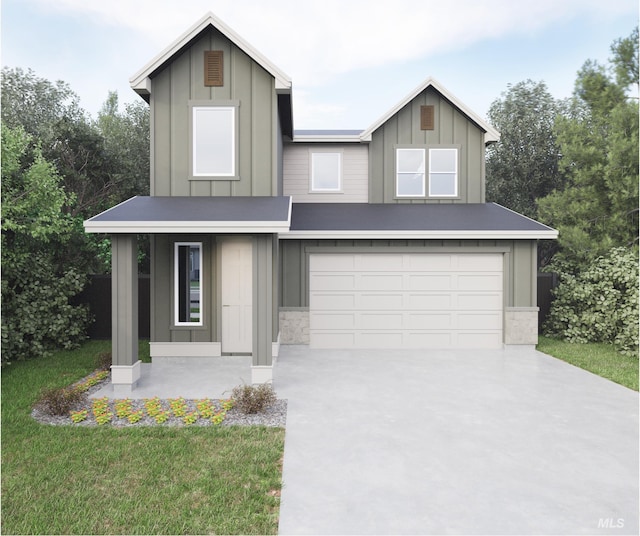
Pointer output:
x,y
262,235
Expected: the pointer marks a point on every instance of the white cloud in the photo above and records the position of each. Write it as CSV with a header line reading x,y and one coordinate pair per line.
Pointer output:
x,y
314,41
348,59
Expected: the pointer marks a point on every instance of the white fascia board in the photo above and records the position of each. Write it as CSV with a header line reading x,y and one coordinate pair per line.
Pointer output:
x,y
491,134
140,81
352,138
172,227
432,235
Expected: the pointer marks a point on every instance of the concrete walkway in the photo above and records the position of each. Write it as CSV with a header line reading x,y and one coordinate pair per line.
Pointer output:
x,y
454,442
188,377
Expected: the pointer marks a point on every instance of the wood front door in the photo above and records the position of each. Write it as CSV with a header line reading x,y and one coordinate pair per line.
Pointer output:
x,y
236,294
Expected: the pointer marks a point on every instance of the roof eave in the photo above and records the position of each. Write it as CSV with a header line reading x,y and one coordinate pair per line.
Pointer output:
x,y
422,234
140,81
172,227
326,139
491,134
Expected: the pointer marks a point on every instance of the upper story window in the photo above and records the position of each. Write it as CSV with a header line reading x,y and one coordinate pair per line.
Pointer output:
x,y
326,172
414,166
214,141
443,172
410,166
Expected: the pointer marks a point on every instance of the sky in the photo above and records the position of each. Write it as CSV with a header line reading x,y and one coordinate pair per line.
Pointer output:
x,y
350,60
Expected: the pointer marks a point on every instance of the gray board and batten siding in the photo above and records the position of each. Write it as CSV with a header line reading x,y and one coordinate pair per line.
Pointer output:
x,y
520,266
178,85
451,129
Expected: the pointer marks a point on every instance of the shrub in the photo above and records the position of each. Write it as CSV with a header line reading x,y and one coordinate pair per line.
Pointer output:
x,y
104,361
599,304
59,401
253,399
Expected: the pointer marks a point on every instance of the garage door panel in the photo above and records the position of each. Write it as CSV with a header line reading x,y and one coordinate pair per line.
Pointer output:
x,y
332,282
332,301
479,340
479,321
379,281
373,302
428,302
430,282
333,320
426,321
478,263
380,320
479,300
379,339
442,339
331,263
490,281
379,263
428,263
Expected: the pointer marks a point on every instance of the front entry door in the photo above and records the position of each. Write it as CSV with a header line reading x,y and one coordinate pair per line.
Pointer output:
x,y
236,294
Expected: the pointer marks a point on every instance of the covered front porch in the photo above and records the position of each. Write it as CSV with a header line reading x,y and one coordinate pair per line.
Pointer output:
x,y
218,341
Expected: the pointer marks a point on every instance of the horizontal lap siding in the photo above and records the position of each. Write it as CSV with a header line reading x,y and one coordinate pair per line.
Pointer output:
x,y
297,179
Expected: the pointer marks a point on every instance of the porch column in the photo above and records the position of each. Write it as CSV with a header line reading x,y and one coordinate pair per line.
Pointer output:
x,y
262,360
125,368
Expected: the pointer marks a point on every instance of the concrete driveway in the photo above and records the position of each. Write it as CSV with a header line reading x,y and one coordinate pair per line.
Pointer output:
x,y
454,442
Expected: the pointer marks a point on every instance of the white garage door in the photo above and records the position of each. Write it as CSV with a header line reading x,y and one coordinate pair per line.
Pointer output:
x,y
405,300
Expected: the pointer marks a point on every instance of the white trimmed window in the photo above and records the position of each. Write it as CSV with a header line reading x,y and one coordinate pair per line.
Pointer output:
x,y
443,172
214,141
326,172
410,172
188,284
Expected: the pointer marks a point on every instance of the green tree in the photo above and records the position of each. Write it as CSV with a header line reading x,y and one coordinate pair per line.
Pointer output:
x,y
598,138
523,166
37,282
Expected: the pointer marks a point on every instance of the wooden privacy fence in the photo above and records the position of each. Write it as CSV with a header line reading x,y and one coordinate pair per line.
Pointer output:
x,y
97,295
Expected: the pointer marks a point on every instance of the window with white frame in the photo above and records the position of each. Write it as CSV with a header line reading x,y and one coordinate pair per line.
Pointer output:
x,y
214,141
188,290
410,172
326,172
443,172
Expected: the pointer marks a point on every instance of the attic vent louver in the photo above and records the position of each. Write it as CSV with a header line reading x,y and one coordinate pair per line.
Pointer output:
x,y
213,68
427,117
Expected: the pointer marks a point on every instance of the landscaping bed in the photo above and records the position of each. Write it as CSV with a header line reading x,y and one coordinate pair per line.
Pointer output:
x,y
89,411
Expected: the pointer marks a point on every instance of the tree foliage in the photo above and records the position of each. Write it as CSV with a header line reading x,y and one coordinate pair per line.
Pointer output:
x,y
598,138
59,167
36,281
523,166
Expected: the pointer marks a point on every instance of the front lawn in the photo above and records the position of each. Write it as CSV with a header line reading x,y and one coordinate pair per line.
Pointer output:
x,y
139,480
599,358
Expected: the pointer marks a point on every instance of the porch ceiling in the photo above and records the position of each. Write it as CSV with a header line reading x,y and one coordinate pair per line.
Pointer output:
x,y
141,215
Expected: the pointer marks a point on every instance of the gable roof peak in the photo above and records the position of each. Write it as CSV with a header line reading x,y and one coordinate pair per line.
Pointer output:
x,y
141,83
491,134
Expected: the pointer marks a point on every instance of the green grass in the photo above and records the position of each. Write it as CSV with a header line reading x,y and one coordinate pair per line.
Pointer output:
x,y
600,358
140,480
